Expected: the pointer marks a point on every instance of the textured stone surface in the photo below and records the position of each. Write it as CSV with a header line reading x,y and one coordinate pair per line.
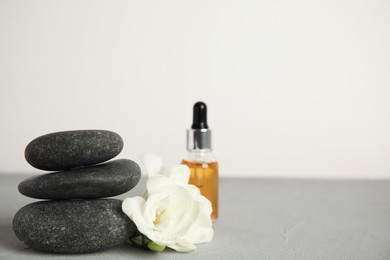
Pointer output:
x,y
72,149
73,226
103,180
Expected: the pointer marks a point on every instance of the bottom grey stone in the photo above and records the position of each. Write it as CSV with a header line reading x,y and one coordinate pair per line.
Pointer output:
x,y
73,226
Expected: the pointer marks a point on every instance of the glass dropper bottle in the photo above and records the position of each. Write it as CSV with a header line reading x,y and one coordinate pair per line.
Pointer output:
x,y
200,159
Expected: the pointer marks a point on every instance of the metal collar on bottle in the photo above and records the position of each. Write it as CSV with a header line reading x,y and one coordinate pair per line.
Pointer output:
x,y
198,139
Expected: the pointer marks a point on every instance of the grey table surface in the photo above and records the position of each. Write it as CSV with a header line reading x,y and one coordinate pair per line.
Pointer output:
x,y
259,219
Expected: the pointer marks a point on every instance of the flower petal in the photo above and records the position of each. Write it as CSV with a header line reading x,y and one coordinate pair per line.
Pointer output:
x,y
154,203
200,230
174,210
205,205
152,163
179,174
182,246
133,207
157,182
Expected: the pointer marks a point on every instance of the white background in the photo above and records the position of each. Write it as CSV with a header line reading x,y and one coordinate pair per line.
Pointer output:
x,y
294,88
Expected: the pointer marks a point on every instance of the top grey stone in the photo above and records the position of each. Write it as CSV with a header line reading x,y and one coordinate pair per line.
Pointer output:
x,y
71,149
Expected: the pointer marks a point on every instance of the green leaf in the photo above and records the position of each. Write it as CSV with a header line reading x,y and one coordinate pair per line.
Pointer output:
x,y
154,247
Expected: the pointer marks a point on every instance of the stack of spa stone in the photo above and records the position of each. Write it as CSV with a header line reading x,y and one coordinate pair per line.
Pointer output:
x,y
76,219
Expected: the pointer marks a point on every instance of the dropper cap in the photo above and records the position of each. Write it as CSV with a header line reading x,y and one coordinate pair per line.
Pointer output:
x,y
199,136
200,116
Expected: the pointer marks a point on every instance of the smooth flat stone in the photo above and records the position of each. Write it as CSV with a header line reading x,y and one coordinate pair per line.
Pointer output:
x,y
76,226
103,180
71,149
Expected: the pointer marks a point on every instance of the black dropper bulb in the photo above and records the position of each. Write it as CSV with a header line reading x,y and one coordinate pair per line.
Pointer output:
x,y
200,116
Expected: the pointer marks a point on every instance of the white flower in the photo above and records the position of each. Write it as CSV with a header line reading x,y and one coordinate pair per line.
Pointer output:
x,y
171,213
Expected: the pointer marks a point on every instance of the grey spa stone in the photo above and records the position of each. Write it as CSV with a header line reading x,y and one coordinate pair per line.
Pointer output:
x,y
71,149
103,180
73,226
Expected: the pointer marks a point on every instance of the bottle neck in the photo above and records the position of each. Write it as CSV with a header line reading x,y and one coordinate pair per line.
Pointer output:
x,y
202,156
